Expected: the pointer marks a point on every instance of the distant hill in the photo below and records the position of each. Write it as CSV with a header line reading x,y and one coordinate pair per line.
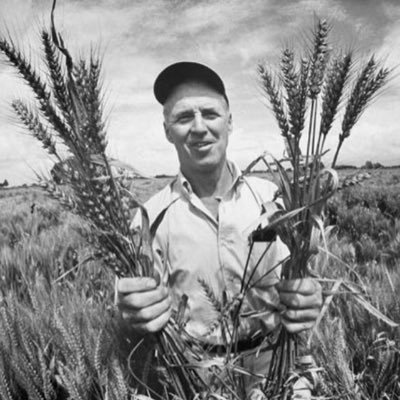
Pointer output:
x,y
118,169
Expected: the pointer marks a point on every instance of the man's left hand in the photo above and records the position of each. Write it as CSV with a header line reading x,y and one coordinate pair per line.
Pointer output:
x,y
303,300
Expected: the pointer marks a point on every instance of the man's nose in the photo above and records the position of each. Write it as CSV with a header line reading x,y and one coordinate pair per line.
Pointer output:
x,y
198,125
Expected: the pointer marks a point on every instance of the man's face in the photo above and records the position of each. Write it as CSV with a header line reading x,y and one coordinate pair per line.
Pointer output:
x,y
198,122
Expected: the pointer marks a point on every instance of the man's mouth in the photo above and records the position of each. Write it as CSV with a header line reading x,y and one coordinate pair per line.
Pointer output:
x,y
200,145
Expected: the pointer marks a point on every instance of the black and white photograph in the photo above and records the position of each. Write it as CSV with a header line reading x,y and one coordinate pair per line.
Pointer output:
x,y
199,200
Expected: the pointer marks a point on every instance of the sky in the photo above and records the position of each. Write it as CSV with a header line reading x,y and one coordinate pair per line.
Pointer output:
x,y
138,38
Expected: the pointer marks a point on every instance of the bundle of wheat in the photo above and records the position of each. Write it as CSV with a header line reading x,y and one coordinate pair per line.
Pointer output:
x,y
318,82
69,109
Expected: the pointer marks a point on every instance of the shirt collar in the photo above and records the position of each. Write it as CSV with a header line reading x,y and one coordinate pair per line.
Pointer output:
x,y
235,171
184,186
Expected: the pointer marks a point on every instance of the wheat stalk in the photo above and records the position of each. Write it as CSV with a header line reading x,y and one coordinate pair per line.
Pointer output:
x,y
333,90
33,123
319,58
305,192
367,85
72,105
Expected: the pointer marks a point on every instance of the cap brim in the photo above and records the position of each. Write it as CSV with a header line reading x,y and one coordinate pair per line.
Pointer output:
x,y
180,72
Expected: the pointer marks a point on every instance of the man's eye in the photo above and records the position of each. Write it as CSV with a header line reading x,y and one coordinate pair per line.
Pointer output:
x,y
210,114
184,118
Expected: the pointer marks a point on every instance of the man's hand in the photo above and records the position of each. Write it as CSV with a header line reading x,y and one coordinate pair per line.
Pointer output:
x,y
303,300
144,305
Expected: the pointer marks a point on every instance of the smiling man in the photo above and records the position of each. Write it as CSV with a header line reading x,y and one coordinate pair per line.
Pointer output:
x,y
201,238
198,124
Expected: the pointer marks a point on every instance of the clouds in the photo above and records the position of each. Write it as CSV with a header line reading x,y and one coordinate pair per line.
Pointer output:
x,y
140,37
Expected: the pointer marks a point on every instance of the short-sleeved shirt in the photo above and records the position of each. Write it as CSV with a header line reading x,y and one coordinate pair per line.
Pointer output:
x,y
199,251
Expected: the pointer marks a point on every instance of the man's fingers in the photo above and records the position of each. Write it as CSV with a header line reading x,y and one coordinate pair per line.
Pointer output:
x,y
142,284
296,327
146,314
139,300
305,286
303,299
144,305
300,293
153,326
299,316
300,301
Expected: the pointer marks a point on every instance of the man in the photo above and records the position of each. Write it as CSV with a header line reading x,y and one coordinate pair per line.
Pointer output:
x,y
201,241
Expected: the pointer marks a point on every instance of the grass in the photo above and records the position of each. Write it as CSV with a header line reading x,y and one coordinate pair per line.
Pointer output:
x,y
38,238
68,318
360,353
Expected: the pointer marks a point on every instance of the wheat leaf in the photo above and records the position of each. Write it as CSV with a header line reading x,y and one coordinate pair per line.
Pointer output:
x,y
279,217
369,307
324,309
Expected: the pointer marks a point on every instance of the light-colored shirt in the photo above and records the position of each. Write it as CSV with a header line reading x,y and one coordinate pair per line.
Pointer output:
x,y
196,247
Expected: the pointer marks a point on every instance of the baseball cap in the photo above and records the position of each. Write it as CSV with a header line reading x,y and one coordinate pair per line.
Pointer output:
x,y
183,71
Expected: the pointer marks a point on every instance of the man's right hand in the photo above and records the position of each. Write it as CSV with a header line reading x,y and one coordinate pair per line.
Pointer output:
x,y
144,305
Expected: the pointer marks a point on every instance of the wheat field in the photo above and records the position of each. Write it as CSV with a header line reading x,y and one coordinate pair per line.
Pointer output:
x,y
59,326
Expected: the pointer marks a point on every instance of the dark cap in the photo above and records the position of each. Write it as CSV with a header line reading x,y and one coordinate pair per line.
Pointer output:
x,y
180,72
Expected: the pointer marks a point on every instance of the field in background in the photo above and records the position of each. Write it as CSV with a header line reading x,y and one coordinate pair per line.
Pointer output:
x,y
48,274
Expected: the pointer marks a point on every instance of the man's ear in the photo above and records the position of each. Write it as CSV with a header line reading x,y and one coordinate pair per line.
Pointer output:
x,y
230,124
167,135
